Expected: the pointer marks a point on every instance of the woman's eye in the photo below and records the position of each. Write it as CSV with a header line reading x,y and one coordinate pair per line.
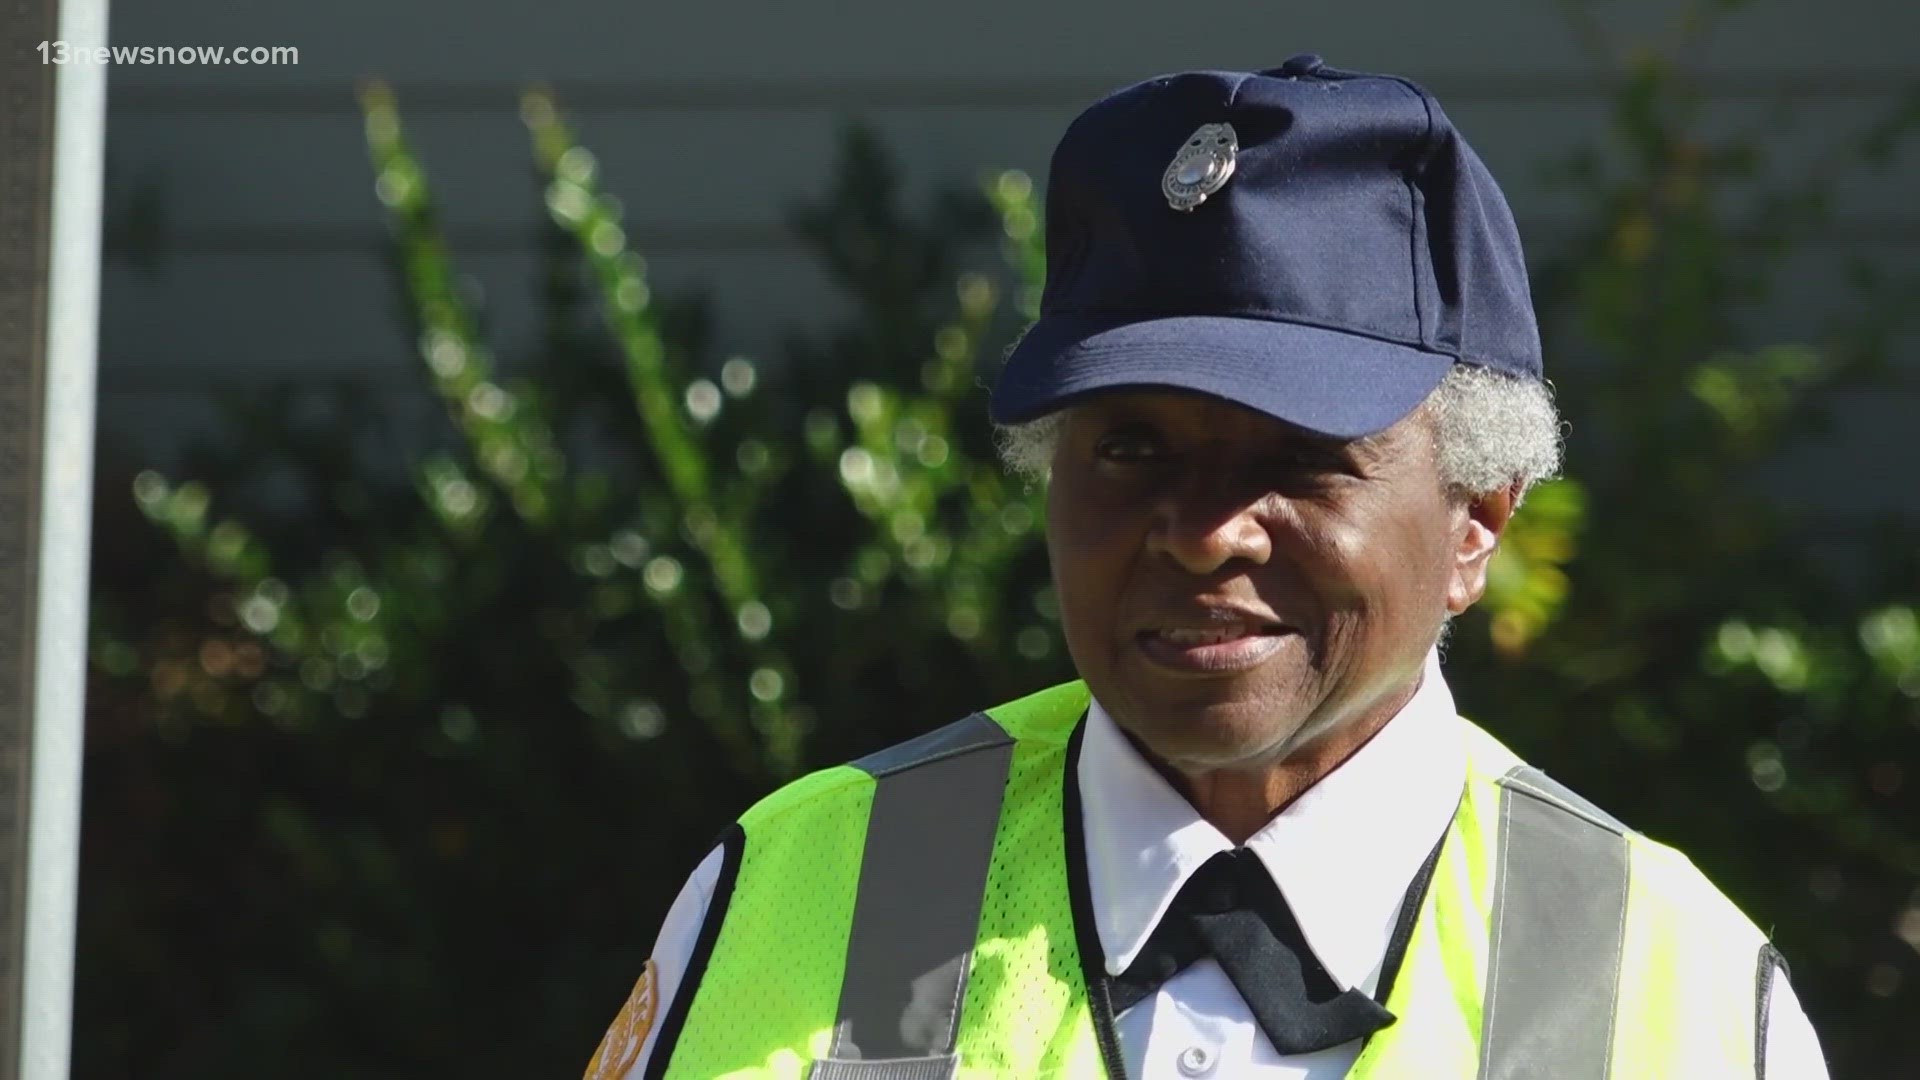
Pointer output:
x,y
1128,446
1309,459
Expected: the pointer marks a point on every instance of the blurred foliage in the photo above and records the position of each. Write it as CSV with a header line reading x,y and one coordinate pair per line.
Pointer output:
x,y
395,763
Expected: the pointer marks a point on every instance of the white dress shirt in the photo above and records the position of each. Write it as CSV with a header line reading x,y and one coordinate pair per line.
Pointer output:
x,y
1343,863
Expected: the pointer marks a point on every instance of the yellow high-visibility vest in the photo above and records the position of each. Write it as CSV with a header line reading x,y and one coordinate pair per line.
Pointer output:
x,y
922,914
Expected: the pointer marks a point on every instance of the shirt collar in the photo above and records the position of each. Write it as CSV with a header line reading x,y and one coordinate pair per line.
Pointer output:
x,y
1391,800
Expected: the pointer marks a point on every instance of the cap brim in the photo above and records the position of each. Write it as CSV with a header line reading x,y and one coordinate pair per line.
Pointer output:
x,y
1333,383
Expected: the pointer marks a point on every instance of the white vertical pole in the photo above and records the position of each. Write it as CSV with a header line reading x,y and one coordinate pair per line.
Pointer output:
x,y
66,502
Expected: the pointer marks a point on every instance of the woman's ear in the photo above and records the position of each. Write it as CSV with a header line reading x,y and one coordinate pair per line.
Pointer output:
x,y
1478,525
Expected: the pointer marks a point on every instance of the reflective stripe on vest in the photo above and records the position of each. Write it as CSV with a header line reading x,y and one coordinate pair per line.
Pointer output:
x,y
917,911
1559,919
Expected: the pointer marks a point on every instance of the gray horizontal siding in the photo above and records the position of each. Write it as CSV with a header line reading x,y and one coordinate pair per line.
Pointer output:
x,y
838,93
711,119
218,319
676,169
593,40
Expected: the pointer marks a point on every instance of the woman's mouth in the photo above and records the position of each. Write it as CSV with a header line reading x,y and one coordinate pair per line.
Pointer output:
x,y
1213,650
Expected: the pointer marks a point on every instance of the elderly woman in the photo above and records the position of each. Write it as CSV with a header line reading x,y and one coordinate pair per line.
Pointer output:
x,y
1285,393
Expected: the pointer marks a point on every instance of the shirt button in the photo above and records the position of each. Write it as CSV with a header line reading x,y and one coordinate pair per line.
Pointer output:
x,y
1195,1061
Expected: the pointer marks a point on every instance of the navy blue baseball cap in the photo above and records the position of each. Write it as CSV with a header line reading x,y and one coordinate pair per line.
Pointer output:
x,y
1319,245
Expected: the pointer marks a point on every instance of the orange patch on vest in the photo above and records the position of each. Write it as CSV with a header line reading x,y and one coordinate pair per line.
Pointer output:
x,y
620,1049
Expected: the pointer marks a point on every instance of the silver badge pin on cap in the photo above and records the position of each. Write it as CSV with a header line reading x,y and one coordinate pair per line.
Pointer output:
x,y
1203,166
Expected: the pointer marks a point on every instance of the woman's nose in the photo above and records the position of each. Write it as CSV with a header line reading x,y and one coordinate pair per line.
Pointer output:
x,y
1203,526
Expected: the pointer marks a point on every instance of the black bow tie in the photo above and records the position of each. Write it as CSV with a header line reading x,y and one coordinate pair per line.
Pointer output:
x,y
1231,910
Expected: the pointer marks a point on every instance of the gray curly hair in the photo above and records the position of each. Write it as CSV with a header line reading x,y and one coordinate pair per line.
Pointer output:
x,y
1490,430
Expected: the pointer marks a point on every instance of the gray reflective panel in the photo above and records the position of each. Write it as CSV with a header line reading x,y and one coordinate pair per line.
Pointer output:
x,y
976,732
1559,911
1534,782
936,807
